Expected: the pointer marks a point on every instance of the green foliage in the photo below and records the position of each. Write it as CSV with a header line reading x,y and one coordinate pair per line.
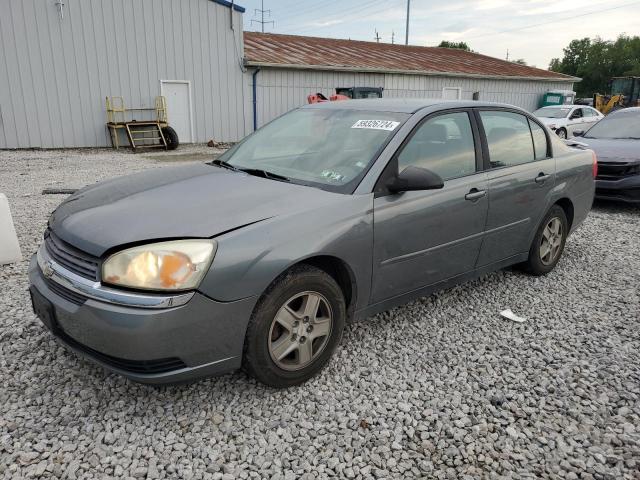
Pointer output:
x,y
520,61
596,61
458,45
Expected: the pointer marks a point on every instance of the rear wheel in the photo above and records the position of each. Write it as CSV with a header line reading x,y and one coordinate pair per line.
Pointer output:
x,y
548,243
295,327
561,132
171,137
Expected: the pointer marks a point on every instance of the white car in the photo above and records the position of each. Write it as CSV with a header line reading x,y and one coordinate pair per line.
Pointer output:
x,y
565,120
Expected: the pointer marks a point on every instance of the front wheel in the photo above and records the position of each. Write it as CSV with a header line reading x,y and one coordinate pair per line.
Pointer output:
x,y
562,133
295,327
548,243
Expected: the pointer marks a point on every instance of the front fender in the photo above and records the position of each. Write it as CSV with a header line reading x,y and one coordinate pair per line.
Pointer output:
x,y
249,259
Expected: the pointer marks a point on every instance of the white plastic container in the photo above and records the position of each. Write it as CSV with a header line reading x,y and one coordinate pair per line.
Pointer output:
x,y
9,247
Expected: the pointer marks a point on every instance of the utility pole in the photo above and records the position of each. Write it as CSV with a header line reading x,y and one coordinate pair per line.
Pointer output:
x,y
262,11
377,37
393,37
406,36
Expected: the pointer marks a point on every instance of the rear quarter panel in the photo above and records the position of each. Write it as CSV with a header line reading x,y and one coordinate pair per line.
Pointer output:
x,y
574,179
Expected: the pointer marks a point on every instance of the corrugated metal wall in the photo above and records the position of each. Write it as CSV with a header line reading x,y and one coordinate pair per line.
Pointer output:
x,y
55,73
280,90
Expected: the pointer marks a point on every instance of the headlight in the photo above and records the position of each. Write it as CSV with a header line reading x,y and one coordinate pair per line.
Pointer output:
x,y
175,265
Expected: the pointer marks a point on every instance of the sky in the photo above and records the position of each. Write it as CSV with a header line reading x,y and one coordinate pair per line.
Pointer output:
x,y
533,30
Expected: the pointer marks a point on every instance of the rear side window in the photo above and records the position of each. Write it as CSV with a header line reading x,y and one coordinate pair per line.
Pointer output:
x,y
443,144
508,137
539,141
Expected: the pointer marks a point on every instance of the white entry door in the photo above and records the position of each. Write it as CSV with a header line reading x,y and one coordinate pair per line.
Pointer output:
x,y
178,95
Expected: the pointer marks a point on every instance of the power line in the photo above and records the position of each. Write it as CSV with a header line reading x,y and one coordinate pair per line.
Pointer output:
x,y
562,19
262,11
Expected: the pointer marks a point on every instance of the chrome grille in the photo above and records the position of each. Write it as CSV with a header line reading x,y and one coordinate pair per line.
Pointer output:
x,y
71,258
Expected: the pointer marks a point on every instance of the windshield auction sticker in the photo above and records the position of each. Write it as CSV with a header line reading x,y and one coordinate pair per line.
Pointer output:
x,y
376,124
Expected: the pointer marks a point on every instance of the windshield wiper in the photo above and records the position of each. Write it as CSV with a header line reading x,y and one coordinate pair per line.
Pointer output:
x,y
264,174
221,163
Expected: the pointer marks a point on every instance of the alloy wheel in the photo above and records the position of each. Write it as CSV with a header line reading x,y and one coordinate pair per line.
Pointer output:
x,y
551,241
300,330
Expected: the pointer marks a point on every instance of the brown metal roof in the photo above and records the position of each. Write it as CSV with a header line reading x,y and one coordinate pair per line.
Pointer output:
x,y
292,51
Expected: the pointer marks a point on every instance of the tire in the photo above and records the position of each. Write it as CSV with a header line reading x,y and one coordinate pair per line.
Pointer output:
x,y
539,264
562,133
284,343
171,137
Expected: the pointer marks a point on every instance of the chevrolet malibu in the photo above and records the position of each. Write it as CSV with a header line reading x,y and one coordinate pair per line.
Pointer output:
x,y
332,212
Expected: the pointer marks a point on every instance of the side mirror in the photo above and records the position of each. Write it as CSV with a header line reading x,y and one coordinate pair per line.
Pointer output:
x,y
578,133
415,178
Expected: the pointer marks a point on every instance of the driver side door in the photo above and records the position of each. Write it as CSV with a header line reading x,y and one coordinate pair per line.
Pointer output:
x,y
425,237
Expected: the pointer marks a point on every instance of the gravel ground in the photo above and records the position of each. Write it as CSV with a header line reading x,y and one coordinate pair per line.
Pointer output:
x,y
440,388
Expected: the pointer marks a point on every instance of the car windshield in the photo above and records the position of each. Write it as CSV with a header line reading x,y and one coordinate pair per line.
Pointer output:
x,y
621,124
329,148
552,112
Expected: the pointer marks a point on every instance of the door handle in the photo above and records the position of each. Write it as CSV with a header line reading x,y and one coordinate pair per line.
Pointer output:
x,y
475,194
542,177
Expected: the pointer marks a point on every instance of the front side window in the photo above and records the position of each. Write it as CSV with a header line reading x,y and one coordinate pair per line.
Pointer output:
x,y
327,147
443,144
508,137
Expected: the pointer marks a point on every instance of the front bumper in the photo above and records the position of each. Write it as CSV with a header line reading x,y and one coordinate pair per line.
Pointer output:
x,y
202,337
626,189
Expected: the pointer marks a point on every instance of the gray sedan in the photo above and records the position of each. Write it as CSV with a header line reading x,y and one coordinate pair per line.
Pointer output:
x,y
616,142
332,212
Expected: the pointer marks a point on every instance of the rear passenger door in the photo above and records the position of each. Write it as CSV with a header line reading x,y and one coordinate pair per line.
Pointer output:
x,y
521,175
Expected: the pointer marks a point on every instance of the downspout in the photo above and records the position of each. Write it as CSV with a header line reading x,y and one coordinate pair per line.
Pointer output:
x,y
254,75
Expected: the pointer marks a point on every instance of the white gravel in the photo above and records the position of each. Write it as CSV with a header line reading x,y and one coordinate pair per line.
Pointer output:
x,y
440,388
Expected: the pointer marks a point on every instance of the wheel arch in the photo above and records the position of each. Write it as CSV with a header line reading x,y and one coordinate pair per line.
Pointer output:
x,y
337,269
341,272
567,205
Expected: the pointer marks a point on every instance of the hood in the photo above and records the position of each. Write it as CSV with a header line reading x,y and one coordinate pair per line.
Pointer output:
x,y
198,201
552,121
612,150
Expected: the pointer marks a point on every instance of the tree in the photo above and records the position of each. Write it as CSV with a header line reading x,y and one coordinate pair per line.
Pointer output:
x,y
458,45
596,61
520,61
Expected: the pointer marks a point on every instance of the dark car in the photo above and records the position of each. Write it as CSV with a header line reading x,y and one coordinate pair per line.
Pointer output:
x,y
334,211
616,141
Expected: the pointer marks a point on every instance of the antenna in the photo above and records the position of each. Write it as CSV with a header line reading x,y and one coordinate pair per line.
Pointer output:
x,y
377,37
262,21
507,54
393,37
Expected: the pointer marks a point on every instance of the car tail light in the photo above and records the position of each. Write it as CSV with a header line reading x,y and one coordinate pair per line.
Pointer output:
x,y
595,164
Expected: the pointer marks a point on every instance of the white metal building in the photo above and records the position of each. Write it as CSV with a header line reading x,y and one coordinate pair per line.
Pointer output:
x,y
291,67
59,59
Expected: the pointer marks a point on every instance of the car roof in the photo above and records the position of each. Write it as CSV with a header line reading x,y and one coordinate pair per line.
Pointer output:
x,y
628,109
402,105
564,106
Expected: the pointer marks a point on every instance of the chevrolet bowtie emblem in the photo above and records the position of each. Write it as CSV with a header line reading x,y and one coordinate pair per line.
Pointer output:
x,y
47,269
